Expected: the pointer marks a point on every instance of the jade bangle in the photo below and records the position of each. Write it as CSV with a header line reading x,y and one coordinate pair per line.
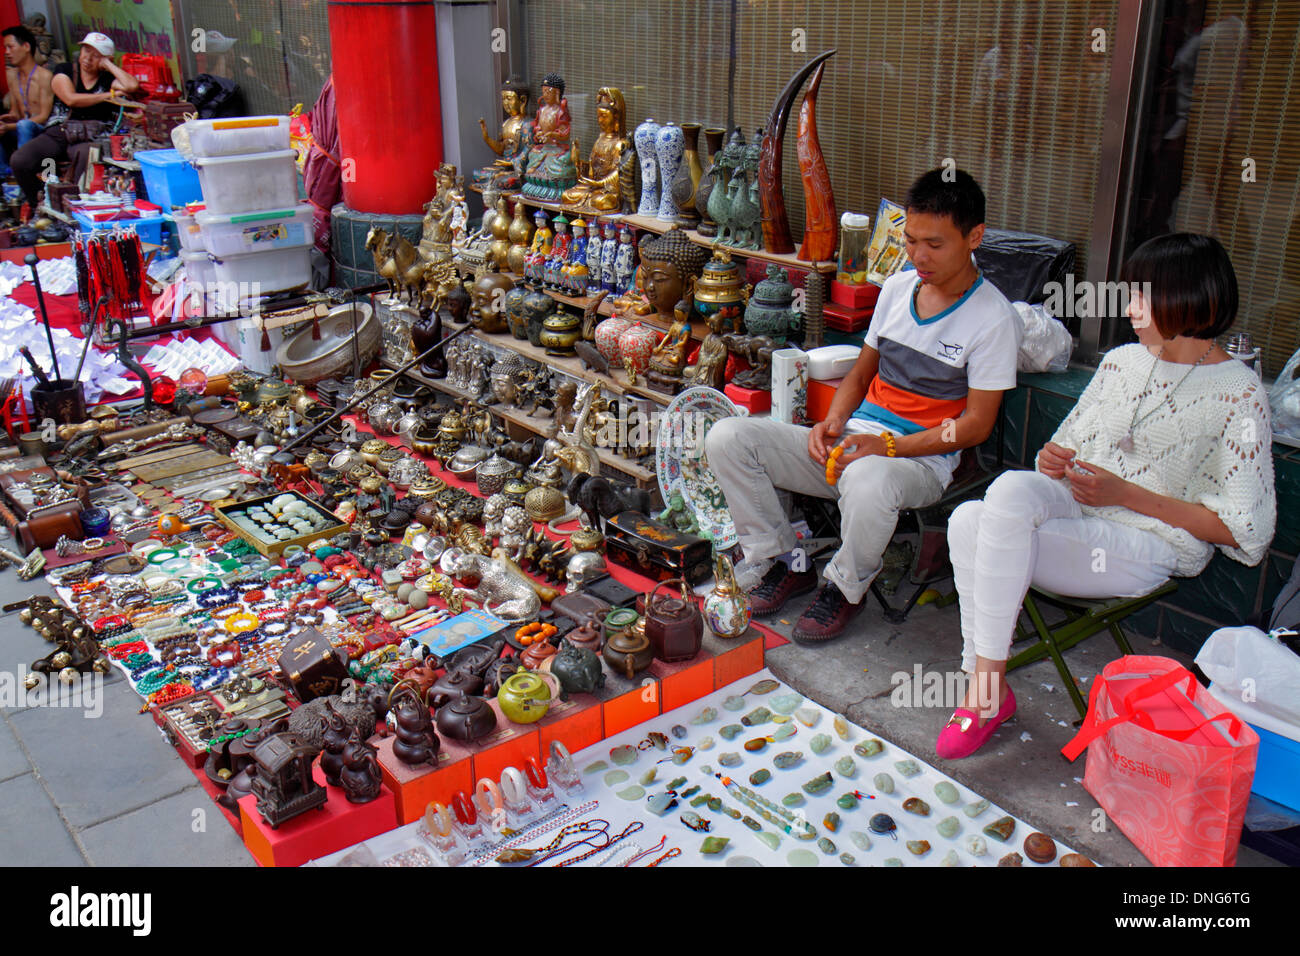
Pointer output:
x,y
159,555
194,589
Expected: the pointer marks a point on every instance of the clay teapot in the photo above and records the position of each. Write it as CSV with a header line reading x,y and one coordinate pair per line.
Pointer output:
x,y
673,624
454,683
524,697
629,651
537,654
587,637
577,669
468,717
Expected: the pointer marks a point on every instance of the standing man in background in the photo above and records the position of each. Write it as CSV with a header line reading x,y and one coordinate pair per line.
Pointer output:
x,y
31,95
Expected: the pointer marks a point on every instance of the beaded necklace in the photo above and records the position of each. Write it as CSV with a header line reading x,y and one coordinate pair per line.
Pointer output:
x,y
769,811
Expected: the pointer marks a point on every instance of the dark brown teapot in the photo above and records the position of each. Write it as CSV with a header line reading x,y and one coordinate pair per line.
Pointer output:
x,y
587,637
467,718
453,684
673,624
629,651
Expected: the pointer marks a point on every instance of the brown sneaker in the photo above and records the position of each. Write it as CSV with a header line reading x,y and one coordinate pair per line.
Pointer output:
x,y
779,585
826,618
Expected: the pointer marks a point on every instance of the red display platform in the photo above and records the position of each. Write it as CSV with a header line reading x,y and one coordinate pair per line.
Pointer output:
x,y
756,400
740,661
819,398
636,706
414,787
335,826
577,723
510,745
683,682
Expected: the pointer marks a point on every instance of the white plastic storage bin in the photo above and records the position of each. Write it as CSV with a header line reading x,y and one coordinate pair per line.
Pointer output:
x,y
233,136
244,337
233,234
187,229
248,183
262,273
199,269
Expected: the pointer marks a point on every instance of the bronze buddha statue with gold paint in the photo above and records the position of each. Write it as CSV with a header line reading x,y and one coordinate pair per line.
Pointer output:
x,y
599,179
516,139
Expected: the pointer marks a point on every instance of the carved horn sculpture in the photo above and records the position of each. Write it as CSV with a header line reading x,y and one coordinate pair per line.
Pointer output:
x,y
820,221
771,195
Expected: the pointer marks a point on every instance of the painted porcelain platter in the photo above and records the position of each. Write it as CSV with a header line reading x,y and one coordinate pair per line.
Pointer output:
x,y
682,466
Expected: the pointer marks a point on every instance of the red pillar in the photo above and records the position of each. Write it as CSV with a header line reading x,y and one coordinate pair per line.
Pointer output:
x,y
385,62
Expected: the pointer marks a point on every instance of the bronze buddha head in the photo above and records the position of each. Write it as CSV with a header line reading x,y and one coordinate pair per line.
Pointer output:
x,y
670,264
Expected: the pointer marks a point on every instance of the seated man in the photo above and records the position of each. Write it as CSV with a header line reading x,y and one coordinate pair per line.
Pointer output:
x,y
82,92
30,95
940,351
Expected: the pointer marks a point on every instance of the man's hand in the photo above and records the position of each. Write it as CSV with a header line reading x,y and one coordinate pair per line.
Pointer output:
x,y
823,438
858,446
1092,485
1053,460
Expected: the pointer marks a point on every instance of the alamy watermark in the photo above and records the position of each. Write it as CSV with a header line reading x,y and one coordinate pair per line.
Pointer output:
x,y
1090,300
85,693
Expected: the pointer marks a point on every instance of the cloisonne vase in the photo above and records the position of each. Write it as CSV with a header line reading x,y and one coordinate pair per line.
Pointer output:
x,y
645,139
670,144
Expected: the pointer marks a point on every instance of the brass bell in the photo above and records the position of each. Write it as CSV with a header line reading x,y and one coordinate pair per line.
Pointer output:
x,y
79,631
101,665
36,622
69,675
26,615
32,681
61,660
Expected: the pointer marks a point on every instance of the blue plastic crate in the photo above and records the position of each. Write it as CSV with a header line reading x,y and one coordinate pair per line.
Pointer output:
x,y
1277,769
168,179
149,230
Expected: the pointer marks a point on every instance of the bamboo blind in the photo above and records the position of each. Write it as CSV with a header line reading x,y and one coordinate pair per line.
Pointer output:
x,y
1243,108
911,84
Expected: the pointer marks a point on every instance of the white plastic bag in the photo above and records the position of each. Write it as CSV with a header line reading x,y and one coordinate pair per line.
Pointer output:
x,y
1045,343
1256,676
1284,399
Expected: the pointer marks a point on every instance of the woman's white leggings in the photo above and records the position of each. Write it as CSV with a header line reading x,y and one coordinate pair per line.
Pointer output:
x,y
1029,529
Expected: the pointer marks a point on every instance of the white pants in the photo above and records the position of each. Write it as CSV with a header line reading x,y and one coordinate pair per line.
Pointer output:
x,y
1029,529
753,457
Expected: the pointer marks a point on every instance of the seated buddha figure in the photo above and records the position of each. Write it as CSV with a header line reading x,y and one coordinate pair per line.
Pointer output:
x,y
550,169
516,137
598,180
670,264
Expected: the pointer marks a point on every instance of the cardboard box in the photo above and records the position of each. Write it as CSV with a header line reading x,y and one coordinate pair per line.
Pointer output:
x,y
756,400
333,827
854,296
414,787
741,661
685,681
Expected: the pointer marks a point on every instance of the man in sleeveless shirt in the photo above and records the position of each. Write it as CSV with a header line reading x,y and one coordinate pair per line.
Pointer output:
x,y
82,91
30,94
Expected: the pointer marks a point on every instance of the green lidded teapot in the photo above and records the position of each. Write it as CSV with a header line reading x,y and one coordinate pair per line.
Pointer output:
x,y
524,697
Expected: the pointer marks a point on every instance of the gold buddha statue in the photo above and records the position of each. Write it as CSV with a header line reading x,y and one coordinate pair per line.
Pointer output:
x,y
516,138
598,179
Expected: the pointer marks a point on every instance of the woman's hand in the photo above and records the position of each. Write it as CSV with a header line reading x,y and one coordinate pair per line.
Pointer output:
x,y
1093,485
1054,459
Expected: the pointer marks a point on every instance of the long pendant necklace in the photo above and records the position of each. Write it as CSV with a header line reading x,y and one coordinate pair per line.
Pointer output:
x,y
1126,443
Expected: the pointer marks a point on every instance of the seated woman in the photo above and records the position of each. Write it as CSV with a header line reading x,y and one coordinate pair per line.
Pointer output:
x,y
1167,455
82,91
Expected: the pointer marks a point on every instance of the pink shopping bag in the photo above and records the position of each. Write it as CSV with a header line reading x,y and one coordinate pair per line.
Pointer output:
x,y
1169,765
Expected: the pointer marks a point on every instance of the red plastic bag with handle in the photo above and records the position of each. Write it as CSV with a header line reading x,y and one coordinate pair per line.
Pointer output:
x,y
1169,765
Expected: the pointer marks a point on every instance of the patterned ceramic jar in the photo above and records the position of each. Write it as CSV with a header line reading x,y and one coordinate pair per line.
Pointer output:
x,y
670,144
645,138
637,343
607,339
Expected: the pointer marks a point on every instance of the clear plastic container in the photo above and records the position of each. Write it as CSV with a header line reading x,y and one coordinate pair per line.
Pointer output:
x,y
232,136
227,234
187,230
249,183
855,237
262,273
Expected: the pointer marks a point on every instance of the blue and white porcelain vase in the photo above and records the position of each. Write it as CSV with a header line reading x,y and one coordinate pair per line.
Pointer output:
x,y
645,139
670,144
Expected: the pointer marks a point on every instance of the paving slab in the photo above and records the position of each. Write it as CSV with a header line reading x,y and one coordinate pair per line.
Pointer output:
x,y
13,762
102,767
31,831
164,834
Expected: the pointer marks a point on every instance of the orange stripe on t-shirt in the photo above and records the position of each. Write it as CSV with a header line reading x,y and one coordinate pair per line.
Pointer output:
x,y
926,412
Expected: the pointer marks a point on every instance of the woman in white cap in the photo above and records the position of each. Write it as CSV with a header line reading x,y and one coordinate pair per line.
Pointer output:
x,y
82,109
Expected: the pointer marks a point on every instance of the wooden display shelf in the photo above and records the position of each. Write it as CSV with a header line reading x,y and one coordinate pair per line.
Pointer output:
x,y
644,477
785,260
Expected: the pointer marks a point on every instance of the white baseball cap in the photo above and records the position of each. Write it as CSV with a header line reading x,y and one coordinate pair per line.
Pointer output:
x,y
99,42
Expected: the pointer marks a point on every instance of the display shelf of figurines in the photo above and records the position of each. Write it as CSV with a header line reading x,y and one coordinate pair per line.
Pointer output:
x,y
537,424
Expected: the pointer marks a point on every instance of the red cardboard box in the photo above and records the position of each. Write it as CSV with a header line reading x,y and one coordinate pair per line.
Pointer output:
x,y
684,681
578,723
741,661
316,833
756,400
854,296
414,787
634,707
510,745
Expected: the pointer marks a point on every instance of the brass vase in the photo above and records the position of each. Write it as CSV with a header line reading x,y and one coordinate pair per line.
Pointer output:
x,y
520,235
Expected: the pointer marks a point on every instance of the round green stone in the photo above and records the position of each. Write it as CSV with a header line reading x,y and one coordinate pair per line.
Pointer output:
x,y
793,799
771,839
847,801
826,846
760,777
948,827
845,767
820,743
884,783
946,792
801,857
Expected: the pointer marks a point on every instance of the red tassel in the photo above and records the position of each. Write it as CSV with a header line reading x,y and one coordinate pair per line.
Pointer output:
x,y
315,329
266,341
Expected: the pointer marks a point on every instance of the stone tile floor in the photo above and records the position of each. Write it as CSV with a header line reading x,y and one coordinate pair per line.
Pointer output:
x,y
108,790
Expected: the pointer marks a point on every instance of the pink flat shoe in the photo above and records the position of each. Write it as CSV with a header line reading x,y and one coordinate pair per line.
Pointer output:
x,y
961,737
